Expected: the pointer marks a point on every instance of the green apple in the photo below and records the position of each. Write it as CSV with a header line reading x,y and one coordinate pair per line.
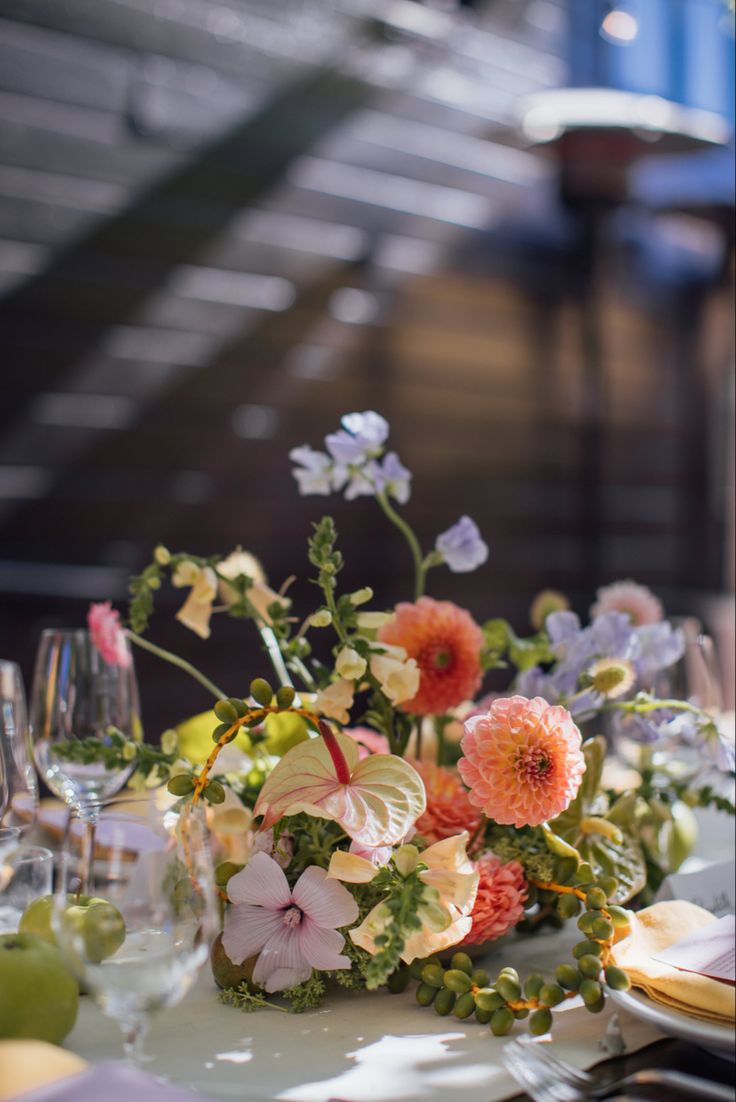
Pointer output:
x,y
39,996
88,918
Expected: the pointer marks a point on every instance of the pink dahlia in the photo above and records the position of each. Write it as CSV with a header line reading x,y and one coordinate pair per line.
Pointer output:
x,y
449,810
635,600
523,763
499,904
107,635
446,643
293,930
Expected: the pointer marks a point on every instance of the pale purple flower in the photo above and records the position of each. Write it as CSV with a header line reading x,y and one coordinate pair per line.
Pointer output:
x,y
392,477
362,482
462,547
656,647
315,471
361,437
293,930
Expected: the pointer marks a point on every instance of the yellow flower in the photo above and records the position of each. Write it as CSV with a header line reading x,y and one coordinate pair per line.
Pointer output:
x,y
335,701
398,678
349,664
451,885
372,621
196,611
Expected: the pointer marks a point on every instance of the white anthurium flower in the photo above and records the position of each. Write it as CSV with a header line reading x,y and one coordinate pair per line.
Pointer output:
x,y
239,563
398,679
196,611
350,665
335,701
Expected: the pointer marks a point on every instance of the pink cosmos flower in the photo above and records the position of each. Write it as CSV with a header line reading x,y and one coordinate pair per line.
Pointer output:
x,y
108,636
368,740
499,904
635,600
293,930
446,643
523,762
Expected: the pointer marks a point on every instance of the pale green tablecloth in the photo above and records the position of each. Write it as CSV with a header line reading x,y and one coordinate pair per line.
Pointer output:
x,y
362,1048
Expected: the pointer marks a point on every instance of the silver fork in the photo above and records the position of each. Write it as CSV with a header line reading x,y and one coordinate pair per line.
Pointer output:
x,y
549,1079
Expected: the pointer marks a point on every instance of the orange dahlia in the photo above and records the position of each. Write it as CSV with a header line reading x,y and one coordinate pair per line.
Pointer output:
x,y
523,763
448,811
499,904
446,643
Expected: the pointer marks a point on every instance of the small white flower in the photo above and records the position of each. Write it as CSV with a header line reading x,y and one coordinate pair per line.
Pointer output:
x,y
361,596
372,621
350,664
399,680
322,618
335,701
314,473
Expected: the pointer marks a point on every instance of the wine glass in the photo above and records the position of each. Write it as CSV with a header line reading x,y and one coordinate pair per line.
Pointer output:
x,y
140,950
18,784
76,697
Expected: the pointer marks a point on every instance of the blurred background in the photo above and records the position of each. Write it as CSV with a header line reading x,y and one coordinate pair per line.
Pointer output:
x,y
506,225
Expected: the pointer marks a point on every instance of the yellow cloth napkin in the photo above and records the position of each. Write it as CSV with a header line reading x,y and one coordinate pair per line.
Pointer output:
x,y
26,1065
655,929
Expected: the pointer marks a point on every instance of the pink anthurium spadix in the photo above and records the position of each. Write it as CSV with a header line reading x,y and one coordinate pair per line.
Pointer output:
x,y
375,800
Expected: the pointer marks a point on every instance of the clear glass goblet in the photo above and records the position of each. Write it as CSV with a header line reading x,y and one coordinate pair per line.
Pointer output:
x,y
18,783
77,696
138,945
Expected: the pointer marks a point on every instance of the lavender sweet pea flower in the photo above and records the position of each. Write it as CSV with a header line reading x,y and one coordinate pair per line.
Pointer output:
x,y
315,472
462,546
656,647
362,482
361,437
392,477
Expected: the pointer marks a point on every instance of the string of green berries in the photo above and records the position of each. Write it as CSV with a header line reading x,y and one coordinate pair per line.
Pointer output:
x,y
463,990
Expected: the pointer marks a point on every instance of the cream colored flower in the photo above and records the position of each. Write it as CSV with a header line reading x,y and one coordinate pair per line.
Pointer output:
x,y
231,816
261,597
398,679
349,664
322,618
196,611
361,596
451,885
237,564
335,701
372,621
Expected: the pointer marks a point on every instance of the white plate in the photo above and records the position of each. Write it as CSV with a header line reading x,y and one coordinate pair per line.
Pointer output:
x,y
719,1039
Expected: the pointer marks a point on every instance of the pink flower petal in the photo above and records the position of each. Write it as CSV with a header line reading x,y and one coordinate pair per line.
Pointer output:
x,y
322,947
326,902
282,951
247,929
261,882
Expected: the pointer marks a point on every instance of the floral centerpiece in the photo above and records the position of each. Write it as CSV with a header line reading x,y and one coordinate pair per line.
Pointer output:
x,y
376,812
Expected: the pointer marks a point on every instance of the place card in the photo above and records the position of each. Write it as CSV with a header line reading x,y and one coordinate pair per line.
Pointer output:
x,y
711,887
709,952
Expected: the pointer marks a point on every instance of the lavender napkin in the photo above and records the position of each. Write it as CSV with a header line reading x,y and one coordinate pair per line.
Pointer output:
x,y
114,1083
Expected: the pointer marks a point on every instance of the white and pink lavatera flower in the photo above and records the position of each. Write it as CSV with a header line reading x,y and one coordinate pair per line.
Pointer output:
x,y
293,930
375,800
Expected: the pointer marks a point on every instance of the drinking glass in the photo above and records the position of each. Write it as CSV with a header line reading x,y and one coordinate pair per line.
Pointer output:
x,y
25,874
141,949
76,695
18,784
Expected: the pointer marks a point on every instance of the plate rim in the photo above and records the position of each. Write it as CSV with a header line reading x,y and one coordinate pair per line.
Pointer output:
x,y
710,1035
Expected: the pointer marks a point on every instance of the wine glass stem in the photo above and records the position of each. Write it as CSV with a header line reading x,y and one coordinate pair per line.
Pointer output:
x,y
134,1035
88,816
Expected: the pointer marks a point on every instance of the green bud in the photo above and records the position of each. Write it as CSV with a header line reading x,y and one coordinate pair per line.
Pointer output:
x,y
508,988
169,741
214,792
602,929
501,1022
591,991
619,916
568,906
617,979
398,981
463,962
425,994
405,859
540,1022
361,596
224,871
595,899
585,922
590,966
551,994
416,966
321,619
584,948
465,1005
483,1016
608,884
480,977
444,1001
533,985
508,971
222,729
596,1007
181,785
226,712
565,869
433,974
568,976
457,980
584,875
261,691
162,555
521,1014
130,751
487,999
285,696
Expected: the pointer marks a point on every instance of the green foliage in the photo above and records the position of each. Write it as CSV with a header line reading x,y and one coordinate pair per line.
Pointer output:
x,y
401,915
307,995
244,998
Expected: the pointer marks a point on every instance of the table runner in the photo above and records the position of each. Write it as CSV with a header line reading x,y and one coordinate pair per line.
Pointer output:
x,y
362,1048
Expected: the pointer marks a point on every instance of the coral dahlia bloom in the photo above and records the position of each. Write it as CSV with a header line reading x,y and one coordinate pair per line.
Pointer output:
x,y
446,643
499,904
449,810
523,763
108,636
637,601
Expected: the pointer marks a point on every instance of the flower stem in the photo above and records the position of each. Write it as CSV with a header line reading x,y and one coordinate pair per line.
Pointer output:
x,y
175,660
407,532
